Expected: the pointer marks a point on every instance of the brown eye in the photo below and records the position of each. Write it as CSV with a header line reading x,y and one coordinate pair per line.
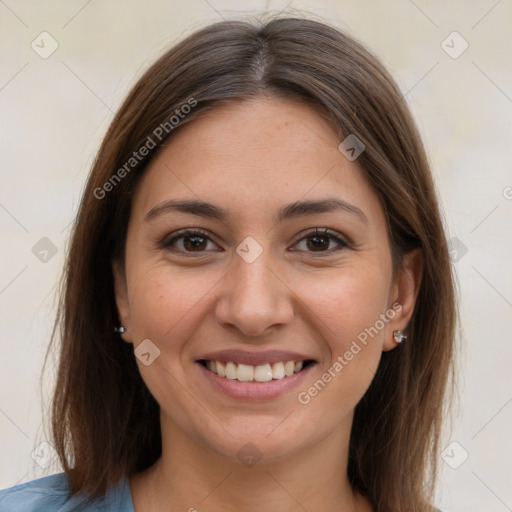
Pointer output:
x,y
320,241
188,242
194,243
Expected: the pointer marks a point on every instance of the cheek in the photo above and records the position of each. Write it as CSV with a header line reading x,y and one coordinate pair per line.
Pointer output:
x,y
346,311
165,302
346,308
166,306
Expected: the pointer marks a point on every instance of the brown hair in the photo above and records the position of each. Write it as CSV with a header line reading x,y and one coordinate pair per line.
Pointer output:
x,y
105,423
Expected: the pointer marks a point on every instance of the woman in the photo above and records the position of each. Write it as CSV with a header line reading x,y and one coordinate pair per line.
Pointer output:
x,y
258,308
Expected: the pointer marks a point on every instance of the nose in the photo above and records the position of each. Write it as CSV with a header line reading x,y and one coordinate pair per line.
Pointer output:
x,y
254,297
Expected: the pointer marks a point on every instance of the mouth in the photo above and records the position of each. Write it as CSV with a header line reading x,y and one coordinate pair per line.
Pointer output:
x,y
261,373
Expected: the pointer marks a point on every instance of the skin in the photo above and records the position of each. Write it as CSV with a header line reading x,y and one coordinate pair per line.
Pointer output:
x,y
252,158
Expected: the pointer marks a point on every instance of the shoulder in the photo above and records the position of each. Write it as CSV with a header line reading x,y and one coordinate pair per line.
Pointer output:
x,y
51,494
44,494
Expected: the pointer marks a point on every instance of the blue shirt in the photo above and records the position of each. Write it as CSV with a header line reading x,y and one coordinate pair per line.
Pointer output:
x,y
51,494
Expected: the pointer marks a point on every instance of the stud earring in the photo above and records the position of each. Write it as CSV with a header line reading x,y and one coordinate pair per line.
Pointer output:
x,y
399,336
120,329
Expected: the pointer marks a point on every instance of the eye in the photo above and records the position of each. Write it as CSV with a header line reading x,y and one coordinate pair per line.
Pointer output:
x,y
188,241
319,240
197,241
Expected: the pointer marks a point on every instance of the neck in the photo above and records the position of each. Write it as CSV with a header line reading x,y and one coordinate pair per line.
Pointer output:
x,y
193,478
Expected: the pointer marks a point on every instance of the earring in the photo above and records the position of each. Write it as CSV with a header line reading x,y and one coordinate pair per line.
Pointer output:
x,y
399,336
120,329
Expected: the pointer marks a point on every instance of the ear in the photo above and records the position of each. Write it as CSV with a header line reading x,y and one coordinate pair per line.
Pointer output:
x,y
121,296
402,297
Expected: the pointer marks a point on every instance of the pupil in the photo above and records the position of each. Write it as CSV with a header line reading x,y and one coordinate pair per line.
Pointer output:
x,y
195,244
318,244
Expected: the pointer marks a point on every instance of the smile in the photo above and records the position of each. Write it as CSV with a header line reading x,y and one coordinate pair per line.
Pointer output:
x,y
250,373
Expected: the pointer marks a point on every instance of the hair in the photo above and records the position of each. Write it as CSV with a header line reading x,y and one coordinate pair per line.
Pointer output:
x,y
105,423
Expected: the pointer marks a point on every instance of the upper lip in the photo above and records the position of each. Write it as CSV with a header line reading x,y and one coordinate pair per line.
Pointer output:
x,y
254,358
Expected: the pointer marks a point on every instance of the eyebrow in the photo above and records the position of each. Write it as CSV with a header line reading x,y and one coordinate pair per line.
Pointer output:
x,y
290,211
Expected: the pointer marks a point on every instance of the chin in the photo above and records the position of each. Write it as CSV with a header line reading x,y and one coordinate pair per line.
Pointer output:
x,y
263,442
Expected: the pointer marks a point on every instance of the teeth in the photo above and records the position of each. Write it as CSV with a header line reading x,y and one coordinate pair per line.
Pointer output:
x,y
261,373
231,371
221,369
245,372
278,371
289,368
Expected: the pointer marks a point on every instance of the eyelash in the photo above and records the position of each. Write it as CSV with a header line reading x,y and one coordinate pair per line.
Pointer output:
x,y
332,235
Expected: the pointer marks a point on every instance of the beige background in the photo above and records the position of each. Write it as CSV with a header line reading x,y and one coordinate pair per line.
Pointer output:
x,y
55,111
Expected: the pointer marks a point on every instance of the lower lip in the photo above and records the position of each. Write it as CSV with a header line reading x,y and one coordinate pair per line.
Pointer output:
x,y
256,390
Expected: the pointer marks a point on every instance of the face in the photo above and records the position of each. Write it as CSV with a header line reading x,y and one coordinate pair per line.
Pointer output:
x,y
287,265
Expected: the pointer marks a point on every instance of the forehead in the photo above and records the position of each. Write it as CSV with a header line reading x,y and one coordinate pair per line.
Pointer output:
x,y
253,155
